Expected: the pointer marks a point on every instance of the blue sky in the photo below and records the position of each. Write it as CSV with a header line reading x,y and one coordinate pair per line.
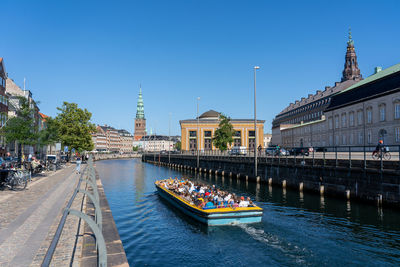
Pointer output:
x,y
96,53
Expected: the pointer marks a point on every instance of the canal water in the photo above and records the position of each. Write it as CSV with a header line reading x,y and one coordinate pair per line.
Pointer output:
x,y
296,229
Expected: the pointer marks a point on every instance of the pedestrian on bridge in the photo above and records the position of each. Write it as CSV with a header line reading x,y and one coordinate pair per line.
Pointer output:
x,y
78,164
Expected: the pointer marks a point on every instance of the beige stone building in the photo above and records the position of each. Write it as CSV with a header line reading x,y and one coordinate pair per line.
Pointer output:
x,y
126,141
207,124
362,114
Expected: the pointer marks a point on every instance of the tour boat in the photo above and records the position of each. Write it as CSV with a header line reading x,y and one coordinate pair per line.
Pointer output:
x,y
216,216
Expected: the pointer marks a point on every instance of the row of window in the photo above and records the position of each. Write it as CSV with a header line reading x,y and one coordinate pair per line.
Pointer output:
x,y
306,108
207,134
350,139
360,116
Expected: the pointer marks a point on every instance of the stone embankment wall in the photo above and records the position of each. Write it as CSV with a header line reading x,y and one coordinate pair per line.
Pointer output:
x,y
338,179
115,156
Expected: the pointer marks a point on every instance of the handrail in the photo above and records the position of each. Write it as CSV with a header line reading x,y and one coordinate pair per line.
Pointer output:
x,y
96,225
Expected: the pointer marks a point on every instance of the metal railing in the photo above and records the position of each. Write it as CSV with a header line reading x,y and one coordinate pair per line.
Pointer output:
x,y
88,176
348,156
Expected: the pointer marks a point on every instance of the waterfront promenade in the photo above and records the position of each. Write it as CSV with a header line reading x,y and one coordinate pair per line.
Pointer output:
x,y
29,219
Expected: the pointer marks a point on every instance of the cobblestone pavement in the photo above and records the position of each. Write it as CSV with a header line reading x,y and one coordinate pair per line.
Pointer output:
x,y
29,218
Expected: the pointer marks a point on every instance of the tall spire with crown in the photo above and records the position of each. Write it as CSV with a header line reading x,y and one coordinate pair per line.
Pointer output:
x,y
140,105
351,70
140,121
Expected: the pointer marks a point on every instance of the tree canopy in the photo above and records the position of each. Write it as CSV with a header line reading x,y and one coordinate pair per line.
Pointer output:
x,y
223,136
22,128
74,127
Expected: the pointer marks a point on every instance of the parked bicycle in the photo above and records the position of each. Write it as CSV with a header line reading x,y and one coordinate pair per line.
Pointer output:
x,y
16,179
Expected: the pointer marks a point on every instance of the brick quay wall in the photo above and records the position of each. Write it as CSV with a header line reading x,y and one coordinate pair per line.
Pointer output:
x,y
379,183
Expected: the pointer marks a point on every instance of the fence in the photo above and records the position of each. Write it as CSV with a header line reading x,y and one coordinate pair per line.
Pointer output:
x,y
88,176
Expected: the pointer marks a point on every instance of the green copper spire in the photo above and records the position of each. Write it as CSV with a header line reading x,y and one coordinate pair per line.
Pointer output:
x,y
350,41
140,106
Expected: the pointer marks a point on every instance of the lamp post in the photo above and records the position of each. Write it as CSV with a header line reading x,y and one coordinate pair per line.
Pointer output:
x,y
169,139
197,134
255,122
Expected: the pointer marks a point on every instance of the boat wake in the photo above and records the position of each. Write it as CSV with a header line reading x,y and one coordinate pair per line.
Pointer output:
x,y
290,250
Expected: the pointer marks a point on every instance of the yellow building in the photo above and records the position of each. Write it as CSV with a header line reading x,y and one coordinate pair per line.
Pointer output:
x,y
208,123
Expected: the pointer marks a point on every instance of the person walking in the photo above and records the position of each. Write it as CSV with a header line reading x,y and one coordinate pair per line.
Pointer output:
x,y
78,165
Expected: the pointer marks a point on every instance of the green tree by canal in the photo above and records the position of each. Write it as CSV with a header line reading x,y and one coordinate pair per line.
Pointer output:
x,y
223,136
75,127
50,134
22,128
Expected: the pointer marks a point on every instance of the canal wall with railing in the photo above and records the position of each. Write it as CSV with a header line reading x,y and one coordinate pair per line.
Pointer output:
x,y
375,181
115,156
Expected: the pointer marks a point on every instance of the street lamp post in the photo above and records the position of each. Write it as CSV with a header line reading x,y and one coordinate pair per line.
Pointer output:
x,y
255,122
169,139
197,134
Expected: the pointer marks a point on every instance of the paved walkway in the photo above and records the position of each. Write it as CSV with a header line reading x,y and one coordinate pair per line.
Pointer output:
x,y
26,217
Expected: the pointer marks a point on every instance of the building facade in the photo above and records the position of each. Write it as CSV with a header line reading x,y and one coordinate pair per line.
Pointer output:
x,y
359,116
3,104
208,123
312,108
140,120
126,140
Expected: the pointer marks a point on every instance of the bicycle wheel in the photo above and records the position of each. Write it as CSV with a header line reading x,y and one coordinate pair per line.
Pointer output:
x,y
387,156
375,156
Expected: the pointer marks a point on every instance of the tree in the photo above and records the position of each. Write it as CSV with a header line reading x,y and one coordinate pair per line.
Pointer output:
x,y
74,127
22,128
224,134
178,145
50,134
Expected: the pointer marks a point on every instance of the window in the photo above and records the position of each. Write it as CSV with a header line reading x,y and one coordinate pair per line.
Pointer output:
x,y
397,134
330,122
344,139
351,139
351,118
397,111
360,138
369,137
344,120
336,140
237,141
369,115
337,121
382,112
207,133
192,134
360,117
331,140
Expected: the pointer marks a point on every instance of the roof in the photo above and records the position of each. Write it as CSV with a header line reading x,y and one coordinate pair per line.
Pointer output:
x,y
374,77
304,124
210,114
43,115
384,82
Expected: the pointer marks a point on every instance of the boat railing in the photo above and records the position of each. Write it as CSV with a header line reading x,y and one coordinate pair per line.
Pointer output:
x,y
89,177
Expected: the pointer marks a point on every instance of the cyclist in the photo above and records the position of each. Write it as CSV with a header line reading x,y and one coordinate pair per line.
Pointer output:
x,y
379,148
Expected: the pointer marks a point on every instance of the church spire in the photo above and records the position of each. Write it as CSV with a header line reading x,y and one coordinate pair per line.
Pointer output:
x,y
351,70
140,105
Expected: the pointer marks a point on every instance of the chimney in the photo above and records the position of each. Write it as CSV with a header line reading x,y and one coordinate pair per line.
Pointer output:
x,y
377,69
327,88
318,92
310,95
297,101
302,99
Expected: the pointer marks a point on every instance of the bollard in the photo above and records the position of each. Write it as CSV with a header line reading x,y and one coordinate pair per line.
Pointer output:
x,y
301,186
348,194
258,179
230,174
210,171
238,176
247,178
321,189
200,170
269,181
223,173
216,173
284,183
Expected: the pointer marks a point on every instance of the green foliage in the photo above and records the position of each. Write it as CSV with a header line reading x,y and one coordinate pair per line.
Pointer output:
x,y
178,145
74,127
50,134
223,136
22,128
135,148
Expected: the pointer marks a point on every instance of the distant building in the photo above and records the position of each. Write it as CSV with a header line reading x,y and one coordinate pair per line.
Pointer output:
x,y
312,108
140,120
360,115
126,140
267,139
99,139
3,104
207,125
